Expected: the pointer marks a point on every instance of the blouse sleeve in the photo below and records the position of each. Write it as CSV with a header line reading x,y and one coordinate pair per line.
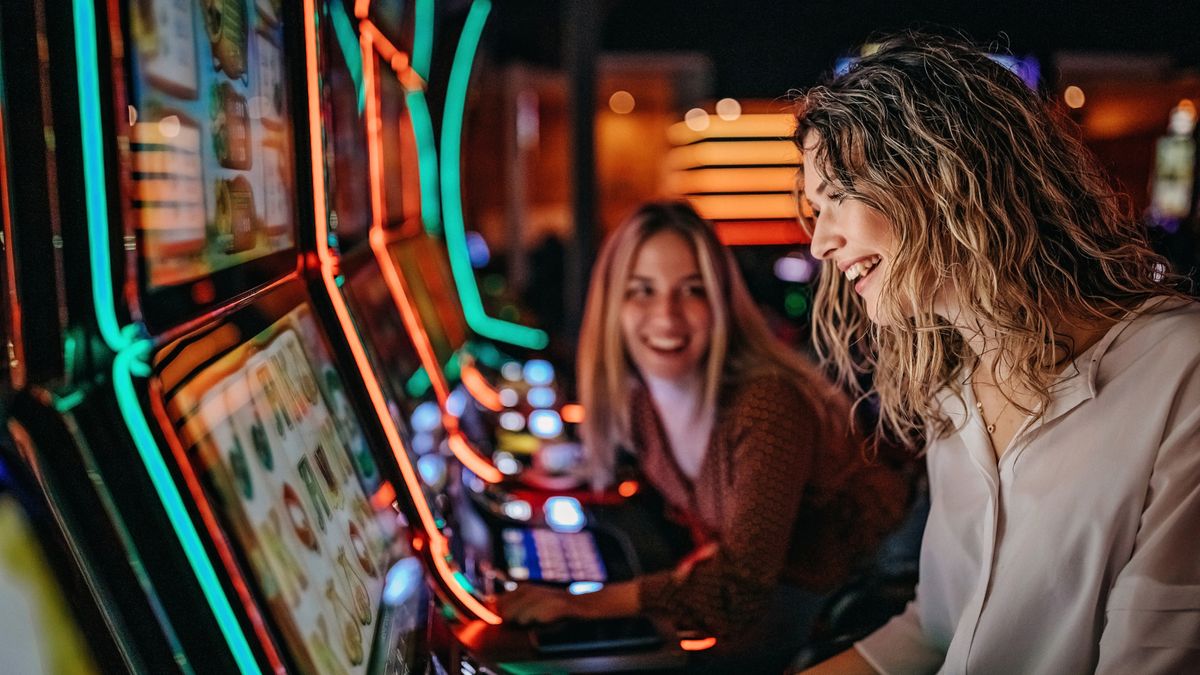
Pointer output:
x,y
1152,617
772,457
899,647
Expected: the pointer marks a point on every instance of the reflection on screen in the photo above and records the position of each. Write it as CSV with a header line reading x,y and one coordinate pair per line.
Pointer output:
x,y
211,136
40,633
423,263
398,144
271,431
345,128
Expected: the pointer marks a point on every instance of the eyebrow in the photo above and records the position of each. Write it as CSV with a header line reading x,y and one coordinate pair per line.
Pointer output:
x,y
691,277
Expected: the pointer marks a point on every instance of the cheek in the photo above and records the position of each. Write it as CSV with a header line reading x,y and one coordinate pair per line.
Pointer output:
x,y
700,319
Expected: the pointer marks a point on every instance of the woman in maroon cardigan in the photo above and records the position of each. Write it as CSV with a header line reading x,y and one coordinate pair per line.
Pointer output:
x,y
745,438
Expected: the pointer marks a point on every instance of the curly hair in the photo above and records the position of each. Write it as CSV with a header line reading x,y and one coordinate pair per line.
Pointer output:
x,y
992,198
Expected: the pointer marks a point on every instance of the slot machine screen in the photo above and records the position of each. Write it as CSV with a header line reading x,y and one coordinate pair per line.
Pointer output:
x,y
210,159
269,430
423,263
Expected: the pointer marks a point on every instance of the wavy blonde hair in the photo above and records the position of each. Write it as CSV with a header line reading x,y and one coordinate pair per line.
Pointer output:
x,y
987,187
741,346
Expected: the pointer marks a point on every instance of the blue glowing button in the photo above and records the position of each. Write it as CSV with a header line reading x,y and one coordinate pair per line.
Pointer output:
x,y
584,587
564,514
541,397
545,424
403,580
427,417
539,372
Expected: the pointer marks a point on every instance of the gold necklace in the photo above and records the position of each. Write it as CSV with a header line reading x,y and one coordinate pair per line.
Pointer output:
x,y
991,428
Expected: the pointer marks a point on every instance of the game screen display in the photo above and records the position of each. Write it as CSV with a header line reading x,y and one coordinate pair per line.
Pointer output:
x,y
210,131
41,635
268,427
423,264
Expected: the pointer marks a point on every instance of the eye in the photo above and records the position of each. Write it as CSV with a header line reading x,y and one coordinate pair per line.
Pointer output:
x,y
837,197
638,290
696,290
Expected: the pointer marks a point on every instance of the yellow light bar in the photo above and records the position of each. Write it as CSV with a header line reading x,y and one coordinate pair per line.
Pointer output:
x,y
753,179
733,153
779,125
745,207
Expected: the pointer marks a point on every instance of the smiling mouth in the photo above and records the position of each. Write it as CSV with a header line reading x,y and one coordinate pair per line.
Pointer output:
x,y
862,268
667,345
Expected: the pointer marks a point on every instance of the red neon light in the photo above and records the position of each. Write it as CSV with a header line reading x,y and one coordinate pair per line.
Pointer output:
x,y
16,368
628,488
215,532
698,645
360,8
760,232
480,388
384,497
374,390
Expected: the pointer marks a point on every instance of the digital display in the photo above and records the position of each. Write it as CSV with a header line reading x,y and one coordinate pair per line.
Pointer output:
x,y
210,137
425,268
41,634
271,432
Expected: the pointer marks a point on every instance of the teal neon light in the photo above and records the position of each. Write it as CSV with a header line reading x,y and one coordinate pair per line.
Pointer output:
x,y
131,351
427,162
347,41
455,226
129,363
423,38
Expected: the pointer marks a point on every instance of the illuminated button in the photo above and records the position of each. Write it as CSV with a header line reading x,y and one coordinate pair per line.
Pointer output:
x,y
545,423
519,573
432,468
538,372
518,509
403,579
564,514
513,536
541,397
427,417
509,397
512,421
507,464
511,371
456,403
423,443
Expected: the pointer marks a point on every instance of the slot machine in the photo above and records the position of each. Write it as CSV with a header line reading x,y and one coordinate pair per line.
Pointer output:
x,y
391,281
213,405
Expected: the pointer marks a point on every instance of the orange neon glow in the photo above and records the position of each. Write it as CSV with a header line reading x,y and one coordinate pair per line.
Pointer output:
x,y
471,459
628,488
480,388
16,364
384,46
761,232
215,532
698,645
384,497
746,206
360,8
572,413
374,390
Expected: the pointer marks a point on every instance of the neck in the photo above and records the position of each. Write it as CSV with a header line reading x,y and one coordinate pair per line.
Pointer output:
x,y
684,394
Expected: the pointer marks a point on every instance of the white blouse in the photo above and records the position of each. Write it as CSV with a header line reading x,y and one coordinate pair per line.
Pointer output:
x,y
1079,551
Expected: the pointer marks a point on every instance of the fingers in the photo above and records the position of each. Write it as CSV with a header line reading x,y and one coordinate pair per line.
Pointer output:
x,y
528,604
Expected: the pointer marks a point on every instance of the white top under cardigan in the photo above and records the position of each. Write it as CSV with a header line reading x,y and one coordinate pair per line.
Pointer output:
x,y
1079,551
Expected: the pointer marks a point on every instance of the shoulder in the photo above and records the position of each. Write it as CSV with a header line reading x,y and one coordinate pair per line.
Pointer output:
x,y
1161,341
783,402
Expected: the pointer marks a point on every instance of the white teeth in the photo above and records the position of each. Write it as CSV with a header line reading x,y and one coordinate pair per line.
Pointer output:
x,y
861,267
664,343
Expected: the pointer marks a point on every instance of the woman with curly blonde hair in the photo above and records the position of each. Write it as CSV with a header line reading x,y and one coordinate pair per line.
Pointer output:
x,y
1008,308
746,441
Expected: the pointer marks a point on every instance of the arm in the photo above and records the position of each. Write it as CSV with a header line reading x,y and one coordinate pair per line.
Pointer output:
x,y
1153,611
532,603
849,662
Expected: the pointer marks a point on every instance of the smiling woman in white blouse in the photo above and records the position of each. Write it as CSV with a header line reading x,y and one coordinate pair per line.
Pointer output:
x,y
1011,311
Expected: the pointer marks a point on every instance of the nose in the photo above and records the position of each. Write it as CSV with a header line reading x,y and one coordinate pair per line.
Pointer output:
x,y
825,240
668,308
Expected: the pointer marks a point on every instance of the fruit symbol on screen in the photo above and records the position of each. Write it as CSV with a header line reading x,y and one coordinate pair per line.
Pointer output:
x,y
332,482
358,590
301,525
230,127
314,492
362,554
352,641
292,576
291,386
262,446
267,381
234,218
321,651
241,468
308,384
227,21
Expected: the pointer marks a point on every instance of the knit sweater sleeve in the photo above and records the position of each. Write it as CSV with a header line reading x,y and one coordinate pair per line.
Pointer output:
x,y
769,444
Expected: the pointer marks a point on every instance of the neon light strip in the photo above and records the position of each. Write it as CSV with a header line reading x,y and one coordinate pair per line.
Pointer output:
x,y
130,353
478,386
423,38
130,362
374,390
431,206
452,208
95,198
343,32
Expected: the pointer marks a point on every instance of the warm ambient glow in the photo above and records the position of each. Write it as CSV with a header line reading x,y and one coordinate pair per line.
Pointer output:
x,y
733,153
621,102
758,125
1074,96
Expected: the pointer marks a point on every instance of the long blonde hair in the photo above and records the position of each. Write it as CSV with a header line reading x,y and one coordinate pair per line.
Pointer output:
x,y
741,345
991,197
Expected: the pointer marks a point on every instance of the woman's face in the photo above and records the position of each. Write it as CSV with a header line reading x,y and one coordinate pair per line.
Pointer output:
x,y
860,240
666,320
